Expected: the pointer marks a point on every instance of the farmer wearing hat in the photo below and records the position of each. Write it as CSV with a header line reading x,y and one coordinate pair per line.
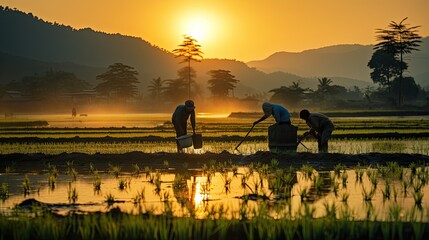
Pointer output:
x,y
321,127
280,114
180,118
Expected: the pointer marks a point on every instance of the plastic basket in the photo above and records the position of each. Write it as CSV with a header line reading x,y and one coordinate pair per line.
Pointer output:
x,y
184,141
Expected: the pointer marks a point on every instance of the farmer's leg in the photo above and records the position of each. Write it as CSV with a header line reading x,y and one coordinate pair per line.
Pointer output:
x,y
326,134
180,131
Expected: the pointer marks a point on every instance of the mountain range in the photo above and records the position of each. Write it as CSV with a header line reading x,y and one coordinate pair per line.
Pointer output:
x,y
30,45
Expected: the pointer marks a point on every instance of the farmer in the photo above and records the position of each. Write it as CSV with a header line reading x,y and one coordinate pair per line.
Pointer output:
x,y
180,118
280,114
321,127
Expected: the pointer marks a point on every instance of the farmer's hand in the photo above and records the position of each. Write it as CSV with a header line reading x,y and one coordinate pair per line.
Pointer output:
x,y
254,123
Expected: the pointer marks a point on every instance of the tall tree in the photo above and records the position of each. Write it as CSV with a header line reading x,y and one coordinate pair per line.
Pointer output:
x,y
385,68
399,39
190,51
221,82
156,88
290,96
118,83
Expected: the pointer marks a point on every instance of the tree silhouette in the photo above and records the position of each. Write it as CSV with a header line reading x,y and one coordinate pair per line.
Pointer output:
x,y
175,91
324,85
221,82
190,51
118,82
385,67
398,39
156,88
290,96
50,85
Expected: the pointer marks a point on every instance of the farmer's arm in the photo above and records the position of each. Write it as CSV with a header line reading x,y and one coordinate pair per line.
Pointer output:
x,y
313,124
193,121
260,120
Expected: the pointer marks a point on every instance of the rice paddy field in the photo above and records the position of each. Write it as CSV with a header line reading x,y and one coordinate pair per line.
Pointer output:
x,y
119,176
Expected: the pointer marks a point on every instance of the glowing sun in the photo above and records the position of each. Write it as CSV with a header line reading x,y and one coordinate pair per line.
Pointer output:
x,y
199,27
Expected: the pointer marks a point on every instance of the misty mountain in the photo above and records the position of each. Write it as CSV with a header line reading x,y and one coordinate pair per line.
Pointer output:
x,y
30,45
347,61
28,36
13,68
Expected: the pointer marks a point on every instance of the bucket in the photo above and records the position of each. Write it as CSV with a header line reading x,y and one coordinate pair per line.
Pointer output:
x,y
197,140
184,141
282,138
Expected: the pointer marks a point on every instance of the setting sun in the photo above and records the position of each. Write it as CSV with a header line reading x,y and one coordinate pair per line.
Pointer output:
x,y
200,27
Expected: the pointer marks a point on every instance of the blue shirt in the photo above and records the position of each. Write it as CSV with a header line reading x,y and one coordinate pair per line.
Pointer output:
x,y
280,113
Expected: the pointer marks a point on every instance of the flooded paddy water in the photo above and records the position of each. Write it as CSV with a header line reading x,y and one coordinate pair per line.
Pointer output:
x,y
377,170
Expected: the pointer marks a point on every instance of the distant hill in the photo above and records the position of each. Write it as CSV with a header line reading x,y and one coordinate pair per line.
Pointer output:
x,y
30,45
14,68
28,36
347,61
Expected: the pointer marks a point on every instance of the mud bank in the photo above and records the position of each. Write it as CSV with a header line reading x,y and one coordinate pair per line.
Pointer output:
x,y
181,161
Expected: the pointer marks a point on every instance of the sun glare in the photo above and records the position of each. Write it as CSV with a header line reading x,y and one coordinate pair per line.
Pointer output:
x,y
199,27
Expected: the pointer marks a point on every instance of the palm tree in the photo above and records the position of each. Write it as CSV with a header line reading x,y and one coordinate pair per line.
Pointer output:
x,y
156,88
324,85
291,96
190,51
399,39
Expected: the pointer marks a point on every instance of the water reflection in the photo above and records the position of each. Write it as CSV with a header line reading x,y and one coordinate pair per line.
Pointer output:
x,y
237,192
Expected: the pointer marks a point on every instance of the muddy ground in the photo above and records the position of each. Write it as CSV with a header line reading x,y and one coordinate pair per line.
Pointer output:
x,y
233,138
22,163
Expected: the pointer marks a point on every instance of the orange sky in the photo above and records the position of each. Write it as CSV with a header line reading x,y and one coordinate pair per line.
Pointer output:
x,y
244,30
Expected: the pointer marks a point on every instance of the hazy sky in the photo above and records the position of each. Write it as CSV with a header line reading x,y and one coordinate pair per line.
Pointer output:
x,y
244,30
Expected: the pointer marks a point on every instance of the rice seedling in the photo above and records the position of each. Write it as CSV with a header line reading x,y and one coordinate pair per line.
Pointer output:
x,y
374,180
303,192
9,169
307,171
405,184
147,171
344,177
395,212
109,199
344,196
330,209
274,164
4,191
52,181
52,169
72,194
97,183
73,172
140,196
368,195
338,169
386,192
26,185
418,197
318,183
123,184
335,187
165,164
359,172
92,169
136,169
115,170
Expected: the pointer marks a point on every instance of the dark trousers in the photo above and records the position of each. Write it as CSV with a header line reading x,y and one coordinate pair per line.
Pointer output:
x,y
180,131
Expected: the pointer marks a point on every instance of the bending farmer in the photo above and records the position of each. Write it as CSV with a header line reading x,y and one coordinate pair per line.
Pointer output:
x,y
321,127
180,118
280,114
